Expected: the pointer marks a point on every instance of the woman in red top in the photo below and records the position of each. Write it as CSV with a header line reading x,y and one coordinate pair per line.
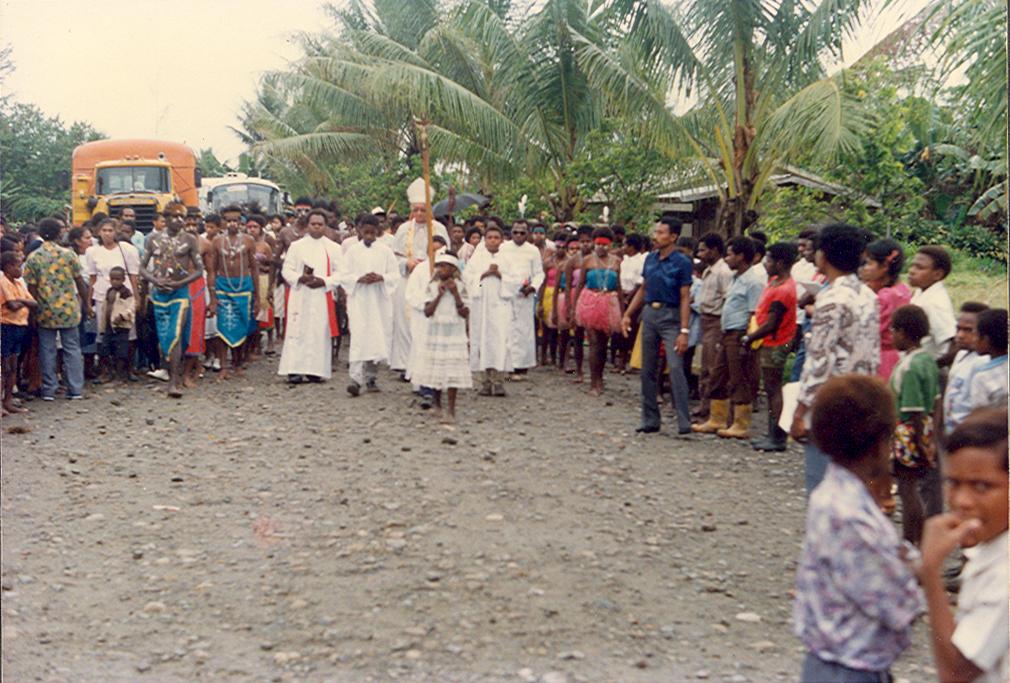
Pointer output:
x,y
776,328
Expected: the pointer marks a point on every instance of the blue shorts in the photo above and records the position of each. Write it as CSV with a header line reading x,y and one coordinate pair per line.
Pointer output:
x,y
13,339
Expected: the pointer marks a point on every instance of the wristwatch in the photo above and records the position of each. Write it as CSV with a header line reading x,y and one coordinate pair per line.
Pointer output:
x,y
685,330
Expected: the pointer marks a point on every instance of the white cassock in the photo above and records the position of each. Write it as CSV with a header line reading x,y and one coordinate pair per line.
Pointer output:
x,y
311,319
410,242
529,268
417,285
490,310
370,307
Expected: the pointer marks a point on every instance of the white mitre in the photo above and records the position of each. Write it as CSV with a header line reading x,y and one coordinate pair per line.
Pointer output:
x,y
415,192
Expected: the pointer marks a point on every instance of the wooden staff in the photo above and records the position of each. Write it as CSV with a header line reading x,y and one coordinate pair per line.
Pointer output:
x,y
426,169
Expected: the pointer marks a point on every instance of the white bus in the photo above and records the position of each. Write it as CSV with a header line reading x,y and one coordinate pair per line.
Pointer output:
x,y
238,188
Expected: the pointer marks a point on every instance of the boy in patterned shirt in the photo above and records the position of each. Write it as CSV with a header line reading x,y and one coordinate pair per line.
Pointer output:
x,y
856,594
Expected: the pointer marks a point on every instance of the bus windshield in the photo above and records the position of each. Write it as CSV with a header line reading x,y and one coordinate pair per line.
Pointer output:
x,y
246,195
133,179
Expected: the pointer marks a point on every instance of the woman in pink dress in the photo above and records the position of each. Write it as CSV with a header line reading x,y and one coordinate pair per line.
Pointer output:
x,y
880,271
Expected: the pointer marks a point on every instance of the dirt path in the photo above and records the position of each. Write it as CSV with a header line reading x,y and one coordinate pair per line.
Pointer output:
x,y
256,532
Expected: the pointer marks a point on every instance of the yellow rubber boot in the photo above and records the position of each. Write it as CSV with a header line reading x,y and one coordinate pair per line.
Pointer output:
x,y
741,423
718,418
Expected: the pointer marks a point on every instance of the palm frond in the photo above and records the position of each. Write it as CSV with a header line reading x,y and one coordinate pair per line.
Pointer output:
x,y
821,120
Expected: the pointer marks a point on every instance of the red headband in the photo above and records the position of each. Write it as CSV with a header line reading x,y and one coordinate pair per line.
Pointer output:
x,y
603,241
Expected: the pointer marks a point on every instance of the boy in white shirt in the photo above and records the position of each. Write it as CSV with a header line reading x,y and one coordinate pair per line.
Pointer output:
x,y
955,399
926,273
972,644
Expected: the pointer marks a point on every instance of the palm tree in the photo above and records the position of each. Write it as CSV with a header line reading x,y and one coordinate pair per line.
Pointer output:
x,y
502,91
757,71
972,34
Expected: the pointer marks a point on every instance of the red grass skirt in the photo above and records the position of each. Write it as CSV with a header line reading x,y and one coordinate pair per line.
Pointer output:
x,y
599,311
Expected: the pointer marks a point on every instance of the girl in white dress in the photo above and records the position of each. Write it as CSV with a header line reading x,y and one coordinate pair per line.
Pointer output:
x,y
444,360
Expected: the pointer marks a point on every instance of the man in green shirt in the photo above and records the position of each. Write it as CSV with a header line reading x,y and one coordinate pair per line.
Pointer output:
x,y
53,276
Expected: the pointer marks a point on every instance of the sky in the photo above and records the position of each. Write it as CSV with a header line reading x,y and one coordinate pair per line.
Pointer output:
x,y
180,71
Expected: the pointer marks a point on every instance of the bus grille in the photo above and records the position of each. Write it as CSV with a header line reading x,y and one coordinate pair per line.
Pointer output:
x,y
145,214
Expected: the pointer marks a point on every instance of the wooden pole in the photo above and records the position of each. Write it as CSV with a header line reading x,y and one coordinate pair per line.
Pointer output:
x,y
422,127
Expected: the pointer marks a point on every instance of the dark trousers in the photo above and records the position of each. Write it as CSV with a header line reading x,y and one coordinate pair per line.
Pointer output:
x,y
662,325
735,375
147,340
711,335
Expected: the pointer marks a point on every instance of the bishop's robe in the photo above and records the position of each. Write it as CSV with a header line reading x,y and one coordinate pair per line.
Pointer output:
x,y
410,242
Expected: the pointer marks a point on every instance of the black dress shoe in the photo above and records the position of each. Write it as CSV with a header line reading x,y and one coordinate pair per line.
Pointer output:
x,y
647,429
295,379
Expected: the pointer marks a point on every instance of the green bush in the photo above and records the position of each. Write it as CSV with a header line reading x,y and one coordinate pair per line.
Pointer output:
x,y
784,212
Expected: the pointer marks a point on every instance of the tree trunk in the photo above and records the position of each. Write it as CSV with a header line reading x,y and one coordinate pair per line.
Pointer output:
x,y
734,217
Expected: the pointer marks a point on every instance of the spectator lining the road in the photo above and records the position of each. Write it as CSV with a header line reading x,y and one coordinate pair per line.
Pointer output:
x,y
881,272
16,303
988,381
776,328
972,643
119,313
845,333
955,398
929,268
53,276
856,595
915,382
734,377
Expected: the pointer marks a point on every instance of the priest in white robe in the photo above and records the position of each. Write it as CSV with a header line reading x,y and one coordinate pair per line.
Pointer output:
x,y
492,284
313,265
529,269
411,247
370,277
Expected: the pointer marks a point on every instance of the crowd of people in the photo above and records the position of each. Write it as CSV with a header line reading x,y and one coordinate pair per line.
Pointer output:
x,y
879,380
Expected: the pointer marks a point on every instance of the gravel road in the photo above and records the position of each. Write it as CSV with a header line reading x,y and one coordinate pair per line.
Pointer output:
x,y
256,532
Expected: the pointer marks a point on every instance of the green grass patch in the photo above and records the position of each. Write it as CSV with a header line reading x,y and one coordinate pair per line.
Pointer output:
x,y
977,279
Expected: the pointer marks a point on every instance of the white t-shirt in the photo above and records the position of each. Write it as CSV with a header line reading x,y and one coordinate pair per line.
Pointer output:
x,y
803,270
101,260
981,634
935,302
631,271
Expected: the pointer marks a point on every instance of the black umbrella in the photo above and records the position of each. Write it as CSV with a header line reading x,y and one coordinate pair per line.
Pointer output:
x,y
462,200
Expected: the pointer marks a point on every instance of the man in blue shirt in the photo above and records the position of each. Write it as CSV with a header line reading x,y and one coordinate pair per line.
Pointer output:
x,y
666,295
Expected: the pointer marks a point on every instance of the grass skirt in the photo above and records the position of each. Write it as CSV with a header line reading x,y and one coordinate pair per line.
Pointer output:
x,y
599,311
548,304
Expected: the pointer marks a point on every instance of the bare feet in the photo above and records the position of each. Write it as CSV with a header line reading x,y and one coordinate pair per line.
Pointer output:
x,y
223,375
596,391
10,408
189,382
174,392
578,380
